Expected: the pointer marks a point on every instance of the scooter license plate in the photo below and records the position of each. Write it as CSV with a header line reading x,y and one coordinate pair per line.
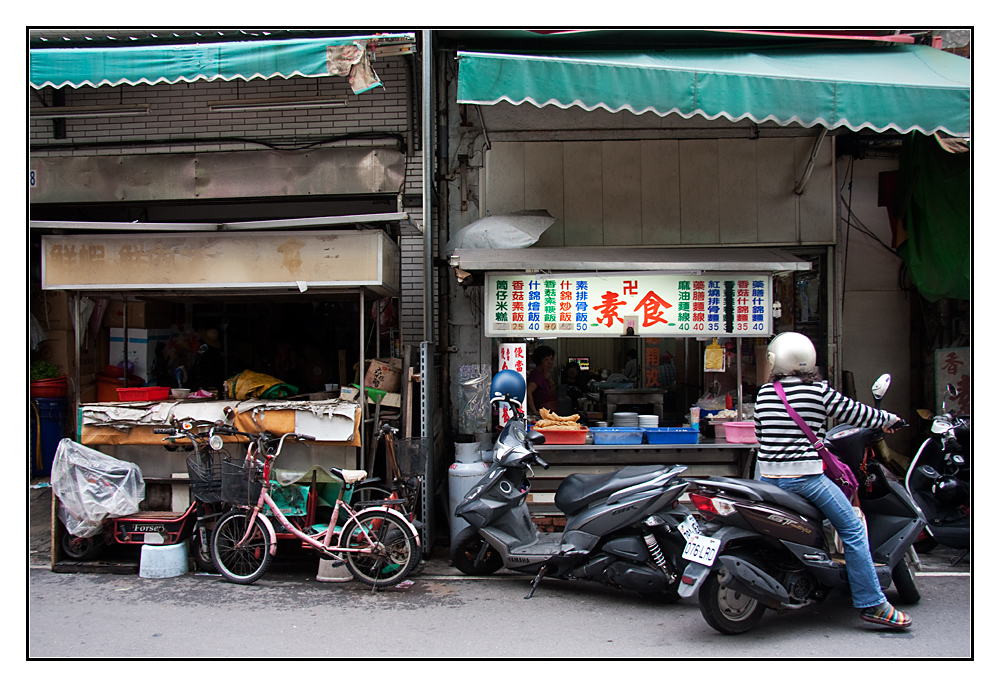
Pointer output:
x,y
701,549
689,528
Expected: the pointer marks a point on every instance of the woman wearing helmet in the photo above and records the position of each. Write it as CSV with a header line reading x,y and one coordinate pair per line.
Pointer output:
x,y
787,459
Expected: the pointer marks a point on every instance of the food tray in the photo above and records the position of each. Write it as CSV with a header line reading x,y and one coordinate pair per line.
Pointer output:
x,y
144,393
617,435
564,436
740,432
672,435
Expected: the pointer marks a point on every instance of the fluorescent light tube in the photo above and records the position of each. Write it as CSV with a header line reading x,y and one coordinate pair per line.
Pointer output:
x,y
89,111
274,104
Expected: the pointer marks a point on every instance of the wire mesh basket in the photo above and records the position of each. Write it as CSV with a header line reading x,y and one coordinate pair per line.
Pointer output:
x,y
411,456
240,484
205,473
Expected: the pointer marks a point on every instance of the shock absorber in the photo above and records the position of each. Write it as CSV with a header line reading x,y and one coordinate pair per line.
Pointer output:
x,y
654,551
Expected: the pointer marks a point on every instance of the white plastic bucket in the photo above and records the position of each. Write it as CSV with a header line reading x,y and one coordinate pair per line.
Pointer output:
x,y
461,478
467,452
163,561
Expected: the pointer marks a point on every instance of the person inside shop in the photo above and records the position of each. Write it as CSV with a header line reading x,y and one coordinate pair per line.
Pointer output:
x,y
787,459
574,383
541,385
666,373
208,370
631,370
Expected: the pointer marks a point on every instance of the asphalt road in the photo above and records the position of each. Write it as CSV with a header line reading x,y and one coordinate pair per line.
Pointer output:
x,y
445,615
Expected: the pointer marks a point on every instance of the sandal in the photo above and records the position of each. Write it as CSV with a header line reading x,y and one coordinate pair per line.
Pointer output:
x,y
885,614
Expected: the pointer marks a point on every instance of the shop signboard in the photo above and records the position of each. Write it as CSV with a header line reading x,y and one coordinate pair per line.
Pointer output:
x,y
633,303
513,356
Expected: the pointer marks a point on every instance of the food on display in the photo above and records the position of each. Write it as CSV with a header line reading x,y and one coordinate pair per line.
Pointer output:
x,y
557,422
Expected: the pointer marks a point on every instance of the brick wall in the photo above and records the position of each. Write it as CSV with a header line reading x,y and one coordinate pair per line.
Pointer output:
x,y
179,114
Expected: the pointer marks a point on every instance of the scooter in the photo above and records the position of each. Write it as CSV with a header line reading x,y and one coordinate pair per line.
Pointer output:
x,y
159,527
938,480
763,547
624,529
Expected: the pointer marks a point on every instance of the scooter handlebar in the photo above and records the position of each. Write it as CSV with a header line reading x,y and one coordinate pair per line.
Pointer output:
x,y
542,463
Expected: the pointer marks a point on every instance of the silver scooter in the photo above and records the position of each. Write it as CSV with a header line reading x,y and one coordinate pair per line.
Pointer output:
x,y
624,529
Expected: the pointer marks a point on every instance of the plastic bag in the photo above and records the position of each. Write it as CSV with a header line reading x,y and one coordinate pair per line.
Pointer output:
x,y
92,486
475,404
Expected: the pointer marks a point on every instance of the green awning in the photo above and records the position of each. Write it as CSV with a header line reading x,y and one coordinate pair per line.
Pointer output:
x,y
899,87
151,64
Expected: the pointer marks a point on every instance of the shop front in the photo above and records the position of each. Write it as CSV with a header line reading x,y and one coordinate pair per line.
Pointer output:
x,y
634,336
287,321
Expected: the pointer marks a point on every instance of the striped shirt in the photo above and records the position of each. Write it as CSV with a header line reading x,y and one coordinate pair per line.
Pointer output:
x,y
784,449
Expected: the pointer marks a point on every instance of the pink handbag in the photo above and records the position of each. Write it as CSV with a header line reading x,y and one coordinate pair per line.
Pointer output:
x,y
833,467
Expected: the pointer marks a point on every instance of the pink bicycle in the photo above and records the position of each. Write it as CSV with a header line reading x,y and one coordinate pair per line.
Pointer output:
x,y
378,545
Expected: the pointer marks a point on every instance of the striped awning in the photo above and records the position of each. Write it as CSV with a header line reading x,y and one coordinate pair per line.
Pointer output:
x,y
173,63
878,87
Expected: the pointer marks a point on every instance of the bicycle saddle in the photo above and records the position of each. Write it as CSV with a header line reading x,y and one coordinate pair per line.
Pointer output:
x,y
349,476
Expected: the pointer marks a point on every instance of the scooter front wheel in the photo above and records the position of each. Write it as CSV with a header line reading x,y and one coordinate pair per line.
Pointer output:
x,y
727,610
904,581
241,563
471,554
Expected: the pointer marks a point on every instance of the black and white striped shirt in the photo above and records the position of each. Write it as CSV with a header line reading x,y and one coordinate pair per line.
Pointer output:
x,y
784,449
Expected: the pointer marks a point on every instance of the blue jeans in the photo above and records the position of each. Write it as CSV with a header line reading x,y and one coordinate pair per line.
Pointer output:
x,y
830,500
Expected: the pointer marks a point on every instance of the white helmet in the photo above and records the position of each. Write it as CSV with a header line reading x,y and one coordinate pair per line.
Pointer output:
x,y
791,353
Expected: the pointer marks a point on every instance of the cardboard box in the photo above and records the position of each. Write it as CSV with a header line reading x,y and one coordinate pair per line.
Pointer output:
x,y
51,309
383,374
141,348
60,350
141,315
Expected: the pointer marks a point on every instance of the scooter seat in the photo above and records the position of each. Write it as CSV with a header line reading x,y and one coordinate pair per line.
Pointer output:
x,y
774,494
580,490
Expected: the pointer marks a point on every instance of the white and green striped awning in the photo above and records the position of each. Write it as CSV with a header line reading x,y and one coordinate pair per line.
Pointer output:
x,y
894,87
173,63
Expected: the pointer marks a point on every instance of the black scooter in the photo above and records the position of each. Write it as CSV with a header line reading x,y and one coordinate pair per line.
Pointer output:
x,y
939,477
624,529
764,547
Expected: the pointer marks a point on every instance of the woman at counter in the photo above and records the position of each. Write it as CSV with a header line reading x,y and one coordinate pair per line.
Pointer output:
x,y
541,385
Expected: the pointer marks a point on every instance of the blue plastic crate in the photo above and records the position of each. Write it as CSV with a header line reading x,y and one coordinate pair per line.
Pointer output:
x,y
617,435
671,435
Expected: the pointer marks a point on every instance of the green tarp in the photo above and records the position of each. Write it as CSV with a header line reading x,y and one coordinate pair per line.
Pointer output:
x,y
934,203
899,87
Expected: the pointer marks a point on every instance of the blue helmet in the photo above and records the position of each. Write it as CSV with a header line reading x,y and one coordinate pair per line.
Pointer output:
x,y
508,382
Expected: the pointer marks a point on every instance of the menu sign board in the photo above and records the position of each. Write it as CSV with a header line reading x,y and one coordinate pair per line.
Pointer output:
x,y
672,305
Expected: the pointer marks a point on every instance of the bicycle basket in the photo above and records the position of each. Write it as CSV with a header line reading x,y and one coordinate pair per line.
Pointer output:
x,y
205,473
240,484
411,456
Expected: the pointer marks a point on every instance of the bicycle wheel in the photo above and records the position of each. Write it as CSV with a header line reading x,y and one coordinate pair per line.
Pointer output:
x,y
242,564
395,552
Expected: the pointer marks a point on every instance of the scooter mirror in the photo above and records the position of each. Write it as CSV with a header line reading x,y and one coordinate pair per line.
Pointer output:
x,y
881,385
536,437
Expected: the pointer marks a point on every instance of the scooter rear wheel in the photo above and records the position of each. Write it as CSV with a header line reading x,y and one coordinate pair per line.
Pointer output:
x,y
465,552
727,610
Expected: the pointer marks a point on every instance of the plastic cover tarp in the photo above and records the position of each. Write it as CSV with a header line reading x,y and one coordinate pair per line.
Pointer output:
x,y
92,486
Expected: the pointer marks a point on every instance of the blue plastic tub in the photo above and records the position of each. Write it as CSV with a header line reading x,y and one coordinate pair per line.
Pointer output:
x,y
617,435
671,435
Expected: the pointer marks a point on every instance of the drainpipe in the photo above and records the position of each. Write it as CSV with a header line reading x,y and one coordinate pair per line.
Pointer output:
x,y
428,151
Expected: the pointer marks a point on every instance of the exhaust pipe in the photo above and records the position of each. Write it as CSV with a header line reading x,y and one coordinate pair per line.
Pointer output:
x,y
745,578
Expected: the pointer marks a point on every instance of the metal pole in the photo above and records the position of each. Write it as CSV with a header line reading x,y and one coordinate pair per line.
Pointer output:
x,y
363,395
428,183
739,378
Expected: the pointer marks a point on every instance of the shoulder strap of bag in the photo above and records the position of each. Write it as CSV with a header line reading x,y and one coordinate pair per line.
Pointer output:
x,y
810,435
